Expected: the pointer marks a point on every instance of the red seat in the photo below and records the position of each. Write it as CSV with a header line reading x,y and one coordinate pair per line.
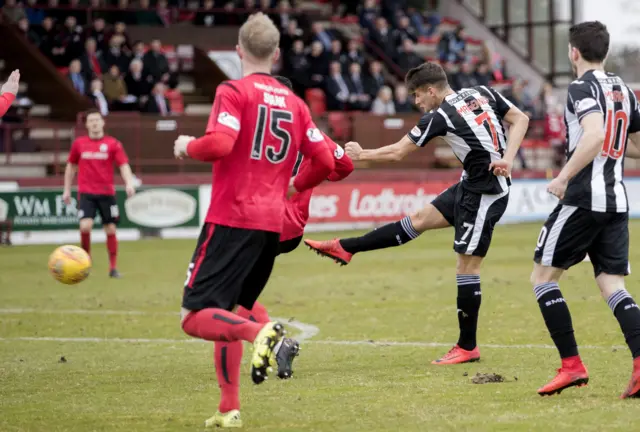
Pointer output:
x,y
176,101
339,125
317,101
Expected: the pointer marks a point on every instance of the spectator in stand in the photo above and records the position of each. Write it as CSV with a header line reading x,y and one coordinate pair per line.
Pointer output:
x,y
404,31
98,98
298,64
452,46
451,70
321,35
155,62
138,84
207,16
122,14
407,58
354,53
375,80
391,8
138,50
383,38
289,36
145,16
71,38
466,78
165,14
34,15
283,16
402,103
13,10
521,99
337,55
59,55
483,74
115,89
76,10
47,37
157,102
170,79
547,101
368,15
98,10
115,55
318,65
78,80
31,35
91,61
336,88
54,11
98,34
358,99
383,104
120,29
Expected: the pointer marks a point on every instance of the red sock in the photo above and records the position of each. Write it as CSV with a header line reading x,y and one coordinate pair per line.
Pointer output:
x,y
258,313
228,356
85,241
112,247
571,362
219,325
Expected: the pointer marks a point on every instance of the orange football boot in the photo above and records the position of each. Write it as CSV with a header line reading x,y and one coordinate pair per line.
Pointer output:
x,y
633,390
457,355
573,373
330,249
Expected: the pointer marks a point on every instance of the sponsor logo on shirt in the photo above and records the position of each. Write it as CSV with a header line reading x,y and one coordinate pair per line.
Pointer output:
x,y
160,208
338,153
104,148
585,104
415,131
94,155
314,135
229,121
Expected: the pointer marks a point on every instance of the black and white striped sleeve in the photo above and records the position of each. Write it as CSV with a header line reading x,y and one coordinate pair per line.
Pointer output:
x,y
431,125
634,120
500,104
583,99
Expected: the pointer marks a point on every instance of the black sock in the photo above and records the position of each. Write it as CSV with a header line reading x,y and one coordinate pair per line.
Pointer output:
x,y
393,234
557,318
469,299
627,313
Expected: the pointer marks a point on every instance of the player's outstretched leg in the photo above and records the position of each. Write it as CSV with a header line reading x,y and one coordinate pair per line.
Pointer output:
x,y
341,250
468,303
228,357
558,320
626,311
112,248
219,325
286,350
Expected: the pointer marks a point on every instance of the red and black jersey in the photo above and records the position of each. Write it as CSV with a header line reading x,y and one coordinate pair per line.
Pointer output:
x,y
95,159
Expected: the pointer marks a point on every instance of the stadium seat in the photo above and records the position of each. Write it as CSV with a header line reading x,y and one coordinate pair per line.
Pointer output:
x,y
339,125
317,101
176,101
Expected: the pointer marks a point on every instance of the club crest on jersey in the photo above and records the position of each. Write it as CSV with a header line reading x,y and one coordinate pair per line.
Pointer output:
x,y
104,148
229,121
314,135
585,104
338,153
415,131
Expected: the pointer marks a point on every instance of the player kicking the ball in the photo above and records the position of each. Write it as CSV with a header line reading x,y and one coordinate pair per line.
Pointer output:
x,y
93,156
470,121
256,128
593,214
296,217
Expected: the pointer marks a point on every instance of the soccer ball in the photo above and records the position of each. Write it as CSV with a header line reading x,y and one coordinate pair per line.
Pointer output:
x,y
69,264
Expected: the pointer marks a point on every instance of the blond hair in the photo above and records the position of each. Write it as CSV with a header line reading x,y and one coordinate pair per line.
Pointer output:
x,y
259,36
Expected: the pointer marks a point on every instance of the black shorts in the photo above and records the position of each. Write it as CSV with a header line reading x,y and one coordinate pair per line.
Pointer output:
x,y
106,205
570,233
289,245
472,215
230,267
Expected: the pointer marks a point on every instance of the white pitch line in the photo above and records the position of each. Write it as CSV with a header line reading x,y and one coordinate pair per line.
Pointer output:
x,y
307,331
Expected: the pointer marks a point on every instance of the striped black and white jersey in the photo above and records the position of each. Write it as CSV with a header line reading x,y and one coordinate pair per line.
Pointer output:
x,y
599,186
470,121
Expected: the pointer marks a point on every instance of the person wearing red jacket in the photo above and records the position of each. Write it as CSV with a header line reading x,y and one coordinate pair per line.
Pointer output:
x,y
9,91
296,217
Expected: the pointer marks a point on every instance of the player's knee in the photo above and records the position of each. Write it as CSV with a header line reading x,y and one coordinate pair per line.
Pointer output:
x,y
468,264
86,225
544,274
110,229
609,283
426,218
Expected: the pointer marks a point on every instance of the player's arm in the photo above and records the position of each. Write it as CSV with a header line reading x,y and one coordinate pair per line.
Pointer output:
x,y
316,150
344,164
430,126
70,171
9,91
222,130
633,143
633,146
122,161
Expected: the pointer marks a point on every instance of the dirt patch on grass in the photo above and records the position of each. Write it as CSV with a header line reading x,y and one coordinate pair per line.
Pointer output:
x,y
481,378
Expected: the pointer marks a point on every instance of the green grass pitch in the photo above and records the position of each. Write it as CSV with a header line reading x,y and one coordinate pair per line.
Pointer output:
x,y
128,371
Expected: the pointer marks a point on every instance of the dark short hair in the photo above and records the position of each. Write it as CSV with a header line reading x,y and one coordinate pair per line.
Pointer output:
x,y
427,74
591,38
91,111
284,81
